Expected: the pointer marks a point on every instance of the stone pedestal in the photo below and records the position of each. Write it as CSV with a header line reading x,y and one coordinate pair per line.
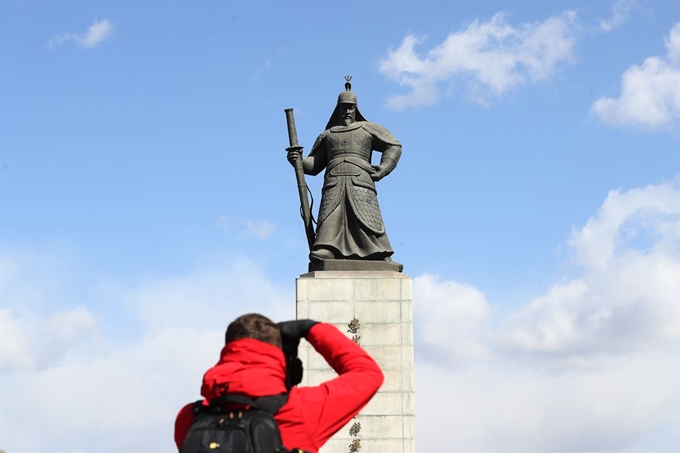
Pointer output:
x,y
375,308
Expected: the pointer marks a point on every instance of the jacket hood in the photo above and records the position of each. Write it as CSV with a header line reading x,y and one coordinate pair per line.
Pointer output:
x,y
249,367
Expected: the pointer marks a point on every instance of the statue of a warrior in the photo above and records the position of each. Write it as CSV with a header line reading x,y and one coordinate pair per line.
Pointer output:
x,y
349,224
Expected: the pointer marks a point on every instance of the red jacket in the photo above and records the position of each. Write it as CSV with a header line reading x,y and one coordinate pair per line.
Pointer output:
x,y
312,414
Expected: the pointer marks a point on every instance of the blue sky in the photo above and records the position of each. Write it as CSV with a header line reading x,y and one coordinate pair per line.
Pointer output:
x,y
145,201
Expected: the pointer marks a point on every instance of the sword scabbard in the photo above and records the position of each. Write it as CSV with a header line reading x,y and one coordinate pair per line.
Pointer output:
x,y
300,178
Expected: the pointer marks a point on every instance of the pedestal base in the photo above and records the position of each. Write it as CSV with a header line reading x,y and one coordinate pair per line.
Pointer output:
x,y
375,308
355,265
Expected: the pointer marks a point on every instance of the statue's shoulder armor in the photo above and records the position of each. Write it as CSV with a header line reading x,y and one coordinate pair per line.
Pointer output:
x,y
351,127
381,133
318,141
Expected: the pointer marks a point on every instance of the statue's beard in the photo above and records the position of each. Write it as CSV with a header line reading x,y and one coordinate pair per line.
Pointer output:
x,y
348,120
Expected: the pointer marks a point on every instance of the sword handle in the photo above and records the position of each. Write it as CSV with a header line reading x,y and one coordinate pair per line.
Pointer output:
x,y
292,131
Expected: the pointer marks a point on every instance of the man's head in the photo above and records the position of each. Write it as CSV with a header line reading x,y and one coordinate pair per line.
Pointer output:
x,y
254,326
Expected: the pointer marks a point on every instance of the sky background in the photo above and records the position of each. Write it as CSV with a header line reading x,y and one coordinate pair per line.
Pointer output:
x,y
146,201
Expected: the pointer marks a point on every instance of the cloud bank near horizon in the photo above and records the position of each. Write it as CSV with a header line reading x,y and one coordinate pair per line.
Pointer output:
x,y
623,302
591,364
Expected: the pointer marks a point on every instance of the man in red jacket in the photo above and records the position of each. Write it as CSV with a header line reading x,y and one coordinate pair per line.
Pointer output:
x,y
252,362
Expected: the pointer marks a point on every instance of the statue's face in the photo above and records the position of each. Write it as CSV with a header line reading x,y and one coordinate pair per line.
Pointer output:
x,y
348,112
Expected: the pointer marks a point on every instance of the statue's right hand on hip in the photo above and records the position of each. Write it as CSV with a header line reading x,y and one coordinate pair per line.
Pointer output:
x,y
379,173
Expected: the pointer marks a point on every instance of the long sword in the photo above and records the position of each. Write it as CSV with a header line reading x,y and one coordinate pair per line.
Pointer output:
x,y
305,211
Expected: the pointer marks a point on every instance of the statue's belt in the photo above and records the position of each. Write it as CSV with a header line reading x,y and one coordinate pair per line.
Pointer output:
x,y
350,160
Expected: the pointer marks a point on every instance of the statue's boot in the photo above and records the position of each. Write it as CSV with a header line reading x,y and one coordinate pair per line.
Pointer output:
x,y
321,255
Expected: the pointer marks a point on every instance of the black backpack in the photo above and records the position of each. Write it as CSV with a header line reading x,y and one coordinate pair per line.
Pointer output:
x,y
251,430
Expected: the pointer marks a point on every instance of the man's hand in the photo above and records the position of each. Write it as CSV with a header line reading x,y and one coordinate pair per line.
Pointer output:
x,y
291,332
294,330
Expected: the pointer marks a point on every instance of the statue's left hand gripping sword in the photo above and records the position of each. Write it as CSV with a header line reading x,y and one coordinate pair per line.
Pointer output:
x,y
305,210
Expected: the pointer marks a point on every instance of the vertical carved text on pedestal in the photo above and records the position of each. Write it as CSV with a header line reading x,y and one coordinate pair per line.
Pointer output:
x,y
375,309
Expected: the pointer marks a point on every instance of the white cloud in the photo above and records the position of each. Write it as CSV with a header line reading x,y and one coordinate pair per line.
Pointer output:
x,y
625,300
210,297
627,296
592,365
258,229
498,406
113,377
121,400
96,33
650,93
16,344
620,12
64,333
265,67
465,310
494,56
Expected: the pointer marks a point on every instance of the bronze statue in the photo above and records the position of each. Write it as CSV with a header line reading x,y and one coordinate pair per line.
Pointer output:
x,y
349,226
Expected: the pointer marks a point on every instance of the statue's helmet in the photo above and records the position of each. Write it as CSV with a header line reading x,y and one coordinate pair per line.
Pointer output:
x,y
346,97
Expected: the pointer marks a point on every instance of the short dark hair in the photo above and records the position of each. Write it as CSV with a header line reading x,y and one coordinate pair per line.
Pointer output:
x,y
254,326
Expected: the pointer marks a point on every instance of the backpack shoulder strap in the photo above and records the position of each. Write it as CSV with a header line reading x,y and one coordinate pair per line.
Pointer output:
x,y
270,404
198,407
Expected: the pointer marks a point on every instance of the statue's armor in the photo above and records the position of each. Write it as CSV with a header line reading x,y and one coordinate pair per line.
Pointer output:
x,y
348,171
349,221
